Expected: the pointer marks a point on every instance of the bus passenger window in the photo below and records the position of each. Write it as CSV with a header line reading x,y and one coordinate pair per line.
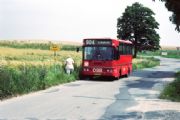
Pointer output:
x,y
124,49
120,49
128,50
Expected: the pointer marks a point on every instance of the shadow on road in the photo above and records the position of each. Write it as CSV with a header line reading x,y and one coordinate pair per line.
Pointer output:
x,y
98,79
142,84
153,74
152,115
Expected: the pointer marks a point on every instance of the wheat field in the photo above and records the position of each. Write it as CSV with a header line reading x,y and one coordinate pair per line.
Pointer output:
x,y
36,56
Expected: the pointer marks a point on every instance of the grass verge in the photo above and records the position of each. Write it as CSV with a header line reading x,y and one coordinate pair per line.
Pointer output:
x,y
172,90
145,62
170,53
21,79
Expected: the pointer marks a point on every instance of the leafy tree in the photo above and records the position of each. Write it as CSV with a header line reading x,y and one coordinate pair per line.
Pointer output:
x,y
138,25
174,6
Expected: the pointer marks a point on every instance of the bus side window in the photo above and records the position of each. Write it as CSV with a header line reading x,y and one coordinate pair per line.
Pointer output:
x,y
132,49
124,49
128,49
121,49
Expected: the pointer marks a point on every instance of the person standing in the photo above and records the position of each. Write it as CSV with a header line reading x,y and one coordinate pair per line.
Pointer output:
x,y
69,65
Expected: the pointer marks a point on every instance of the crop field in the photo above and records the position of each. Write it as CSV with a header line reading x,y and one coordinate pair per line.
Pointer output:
x,y
35,56
27,67
169,48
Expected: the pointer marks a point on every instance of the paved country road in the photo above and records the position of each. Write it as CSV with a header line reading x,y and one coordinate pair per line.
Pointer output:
x,y
130,98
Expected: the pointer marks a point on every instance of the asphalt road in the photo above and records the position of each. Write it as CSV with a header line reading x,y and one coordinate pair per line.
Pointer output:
x,y
130,98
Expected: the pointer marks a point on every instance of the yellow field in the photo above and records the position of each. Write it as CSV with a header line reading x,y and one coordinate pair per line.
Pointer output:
x,y
34,56
169,47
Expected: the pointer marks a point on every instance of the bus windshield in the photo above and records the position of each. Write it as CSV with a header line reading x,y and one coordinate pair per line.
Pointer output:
x,y
98,53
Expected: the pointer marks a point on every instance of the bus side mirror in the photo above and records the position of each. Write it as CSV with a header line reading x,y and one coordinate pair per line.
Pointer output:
x,y
77,49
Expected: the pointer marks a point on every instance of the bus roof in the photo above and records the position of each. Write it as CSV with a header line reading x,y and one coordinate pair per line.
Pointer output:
x,y
121,41
125,41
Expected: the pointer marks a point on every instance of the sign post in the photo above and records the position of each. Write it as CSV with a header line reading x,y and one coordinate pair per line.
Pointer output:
x,y
55,48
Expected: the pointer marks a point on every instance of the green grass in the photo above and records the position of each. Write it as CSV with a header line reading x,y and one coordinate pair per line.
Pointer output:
x,y
17,80
145,62
173,54
170,53
172,90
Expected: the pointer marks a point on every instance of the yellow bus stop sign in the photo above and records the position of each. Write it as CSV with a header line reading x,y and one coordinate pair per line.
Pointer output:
x,y
54,47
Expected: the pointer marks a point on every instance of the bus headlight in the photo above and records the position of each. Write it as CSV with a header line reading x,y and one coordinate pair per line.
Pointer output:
x,y
86,69
109,70
86,63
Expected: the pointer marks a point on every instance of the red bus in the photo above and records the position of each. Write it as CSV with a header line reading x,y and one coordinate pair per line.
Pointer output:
x,y
106,57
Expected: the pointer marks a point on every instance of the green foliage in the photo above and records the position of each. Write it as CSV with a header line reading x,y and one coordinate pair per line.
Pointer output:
x,y
69,47
172,90
146,63
22,45
42,46
24,79
138,25
170,53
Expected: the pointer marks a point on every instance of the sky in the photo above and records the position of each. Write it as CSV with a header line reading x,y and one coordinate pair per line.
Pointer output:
x,y
73,20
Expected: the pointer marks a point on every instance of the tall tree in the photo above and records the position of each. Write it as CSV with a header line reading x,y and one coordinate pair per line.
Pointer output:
x,y
138,25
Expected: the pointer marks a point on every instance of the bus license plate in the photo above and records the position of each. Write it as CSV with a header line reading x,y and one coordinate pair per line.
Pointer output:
x,y
97,70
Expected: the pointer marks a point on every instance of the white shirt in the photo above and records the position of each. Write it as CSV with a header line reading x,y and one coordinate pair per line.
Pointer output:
x,y
69,63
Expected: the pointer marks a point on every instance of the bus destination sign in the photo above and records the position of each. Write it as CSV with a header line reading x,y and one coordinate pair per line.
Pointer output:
x,y
97,42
